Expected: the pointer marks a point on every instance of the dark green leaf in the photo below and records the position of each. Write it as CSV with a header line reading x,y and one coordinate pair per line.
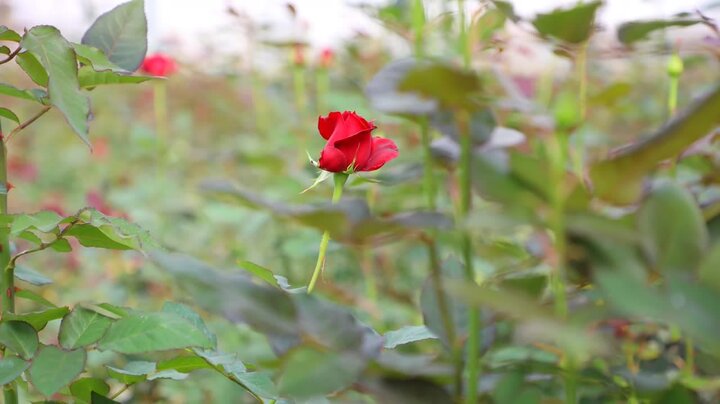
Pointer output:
x,y
620,179
407,335
57,56
6,113
91,78
53,368
449,86
96,398
258,383
82,327
385,94
329,372
20,337
121,34
82,389
11,367
33,68
39,319
572,25
139,333
672,228
634,31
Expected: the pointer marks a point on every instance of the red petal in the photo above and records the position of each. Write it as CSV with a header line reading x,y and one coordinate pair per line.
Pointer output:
x,y
333,160
326,124
383,151
356,148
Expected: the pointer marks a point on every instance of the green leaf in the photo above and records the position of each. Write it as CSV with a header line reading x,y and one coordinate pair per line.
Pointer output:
x,y
6,34
620,179
53,368
29,295
6,113
139,333
11,367
39,319
259,383
673,230
82,389
20,337
32,277
94,58
98,230
121,34
406,335
168,374
36,94
91,78
329,372
96,398
44,221
188,314
448,85
634,31
184,364
572,25
82,327
709,271
57,56
134,372
29,63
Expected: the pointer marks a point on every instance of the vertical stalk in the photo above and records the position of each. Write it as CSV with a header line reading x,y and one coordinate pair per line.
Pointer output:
x,y
472,369
463,42
299,88
160,107
7,284
322,88
581,64
339,180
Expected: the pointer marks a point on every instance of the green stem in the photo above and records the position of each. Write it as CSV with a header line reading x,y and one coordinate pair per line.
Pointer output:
x,y
160,107
322,83
429,182
689,356
473,343
558,159
7,285
418,20
463,36
299,88
339,179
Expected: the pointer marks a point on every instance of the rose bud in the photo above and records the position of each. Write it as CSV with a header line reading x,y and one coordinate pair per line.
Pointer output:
x,y
350,145
159,64
326,58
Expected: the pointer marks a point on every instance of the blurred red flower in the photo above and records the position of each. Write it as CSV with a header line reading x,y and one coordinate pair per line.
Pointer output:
x,y
159,64
350,145
326,57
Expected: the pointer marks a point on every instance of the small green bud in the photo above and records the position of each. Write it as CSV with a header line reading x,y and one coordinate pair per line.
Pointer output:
x,y
675,65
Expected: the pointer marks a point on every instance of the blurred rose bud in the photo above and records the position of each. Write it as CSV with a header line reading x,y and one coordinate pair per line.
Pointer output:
x,y
326,57
159,64
298,55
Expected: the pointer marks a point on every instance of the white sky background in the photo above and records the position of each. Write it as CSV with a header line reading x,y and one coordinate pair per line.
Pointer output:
x,y
190,26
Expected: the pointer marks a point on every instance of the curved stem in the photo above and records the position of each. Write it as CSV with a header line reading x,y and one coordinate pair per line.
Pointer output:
x,y
11,55
27,123
339,179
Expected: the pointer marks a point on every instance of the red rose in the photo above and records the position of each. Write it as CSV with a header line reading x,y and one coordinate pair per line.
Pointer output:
x,y
326,57
159,65
350,145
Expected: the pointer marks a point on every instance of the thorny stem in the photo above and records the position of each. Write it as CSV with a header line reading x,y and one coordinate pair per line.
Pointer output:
x,y
7,285
473,343
339,179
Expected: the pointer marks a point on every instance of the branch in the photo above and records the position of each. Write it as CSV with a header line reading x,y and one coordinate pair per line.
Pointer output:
x,y
28,122
11,56
43,246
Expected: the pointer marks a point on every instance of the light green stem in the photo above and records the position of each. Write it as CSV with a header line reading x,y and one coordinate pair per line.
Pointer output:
x,y
299,88
322,88
339,179
7,288
463,37
161,115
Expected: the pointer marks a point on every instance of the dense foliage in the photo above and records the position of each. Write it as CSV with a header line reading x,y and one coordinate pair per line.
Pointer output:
x,y
544,235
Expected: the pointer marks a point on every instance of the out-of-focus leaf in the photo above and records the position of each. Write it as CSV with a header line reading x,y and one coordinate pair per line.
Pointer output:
x,y
94,229
451,87
121,34
572,25
430,304
139,333
91,78
634,31
188,314
507,8
39,319
709,271
672,228
482,124
35,94
58,58
82,327
620,179
132,372
516,355
44,221
32,277
29,295
11,367
487,24
34,69
6,34
407,335
385,94
418,391
53,368
257,382
329,372
6,113
82,389
20,337
171,374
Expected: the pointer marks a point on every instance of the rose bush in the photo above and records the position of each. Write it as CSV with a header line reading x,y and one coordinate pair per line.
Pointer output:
x,y
350,145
